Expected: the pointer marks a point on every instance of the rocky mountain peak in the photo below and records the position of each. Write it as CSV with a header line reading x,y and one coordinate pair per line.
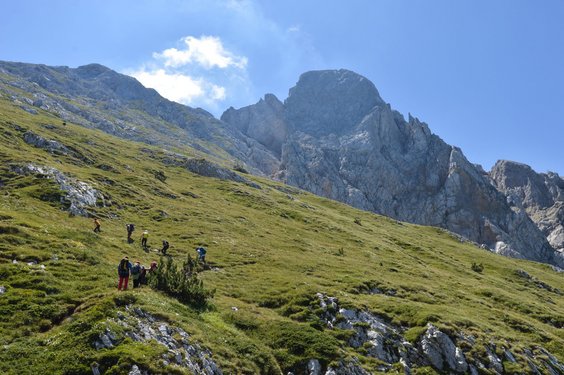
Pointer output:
x,y
91,70
330,101
540,195
523,181
335,136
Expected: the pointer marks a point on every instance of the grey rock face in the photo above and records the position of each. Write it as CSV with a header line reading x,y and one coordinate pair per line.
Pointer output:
x,y
330,101
206,168
540,195
345,143
263,122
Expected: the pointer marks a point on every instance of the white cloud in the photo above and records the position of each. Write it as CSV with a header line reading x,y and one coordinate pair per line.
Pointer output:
x,y
173,86
206,51
217,92
202,74
294,29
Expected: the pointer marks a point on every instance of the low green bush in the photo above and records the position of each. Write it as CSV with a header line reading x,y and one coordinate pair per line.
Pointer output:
x,y
180,283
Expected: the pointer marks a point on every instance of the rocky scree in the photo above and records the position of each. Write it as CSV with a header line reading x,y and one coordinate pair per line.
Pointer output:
x,y
434,348
141,326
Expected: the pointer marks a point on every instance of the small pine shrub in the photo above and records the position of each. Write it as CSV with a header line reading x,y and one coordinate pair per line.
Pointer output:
x,y
240,168
180,283
477,267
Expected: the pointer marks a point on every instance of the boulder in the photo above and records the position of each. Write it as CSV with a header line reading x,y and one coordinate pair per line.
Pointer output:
x,y
441,352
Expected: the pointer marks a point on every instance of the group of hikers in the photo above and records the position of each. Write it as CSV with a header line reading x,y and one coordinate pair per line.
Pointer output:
x,y
136,271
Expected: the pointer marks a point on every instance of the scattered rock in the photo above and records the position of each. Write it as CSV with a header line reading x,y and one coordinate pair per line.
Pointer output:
x,y
441,351
46,144
537,282
79,195
352,367
206,168
2,289
384,341
142,326
135,371
313,367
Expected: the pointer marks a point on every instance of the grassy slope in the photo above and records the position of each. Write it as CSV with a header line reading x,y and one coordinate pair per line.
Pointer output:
x,y
274,251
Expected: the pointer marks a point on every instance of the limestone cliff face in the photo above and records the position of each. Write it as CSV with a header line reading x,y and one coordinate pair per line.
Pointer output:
x,y
339,139
540,195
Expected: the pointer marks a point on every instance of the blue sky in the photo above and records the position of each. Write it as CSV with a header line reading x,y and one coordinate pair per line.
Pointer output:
x,y
487,76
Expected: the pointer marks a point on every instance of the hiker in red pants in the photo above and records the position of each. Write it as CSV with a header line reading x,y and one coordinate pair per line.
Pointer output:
x,y
124,269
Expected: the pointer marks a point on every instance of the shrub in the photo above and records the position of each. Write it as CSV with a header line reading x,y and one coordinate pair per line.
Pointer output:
x,y
180,283
240,168
477,267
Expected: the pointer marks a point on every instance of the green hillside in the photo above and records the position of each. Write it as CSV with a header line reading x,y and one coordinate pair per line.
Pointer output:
x,y
270,250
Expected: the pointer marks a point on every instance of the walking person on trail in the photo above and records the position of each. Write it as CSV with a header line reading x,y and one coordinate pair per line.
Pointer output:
x,y
124,269
97,225
130,228
144,238
201,254
166,245
136,273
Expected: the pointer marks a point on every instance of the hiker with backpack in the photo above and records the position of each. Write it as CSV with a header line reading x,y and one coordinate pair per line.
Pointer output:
x,y
201,254
136,273
124,269
97,225
130,228
166,245
144,238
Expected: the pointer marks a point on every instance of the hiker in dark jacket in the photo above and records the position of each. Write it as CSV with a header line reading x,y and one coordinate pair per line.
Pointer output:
x,y
165,247
201,254
136,273
124,269
130,228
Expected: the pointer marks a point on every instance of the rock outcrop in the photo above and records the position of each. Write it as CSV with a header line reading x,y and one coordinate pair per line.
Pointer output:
x,y
140,326
540,195
78,196
385,342
342,141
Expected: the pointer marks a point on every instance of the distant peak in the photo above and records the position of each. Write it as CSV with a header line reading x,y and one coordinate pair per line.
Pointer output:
x,y
330,101
508,164
92,70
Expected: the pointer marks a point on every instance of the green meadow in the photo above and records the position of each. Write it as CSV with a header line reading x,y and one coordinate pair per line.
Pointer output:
x,y
270,250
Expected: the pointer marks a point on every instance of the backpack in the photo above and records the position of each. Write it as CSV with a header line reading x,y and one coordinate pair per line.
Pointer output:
x,y
123,264
130,227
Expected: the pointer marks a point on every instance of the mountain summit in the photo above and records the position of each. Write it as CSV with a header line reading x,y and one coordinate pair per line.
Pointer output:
x,y
330,102
337,138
